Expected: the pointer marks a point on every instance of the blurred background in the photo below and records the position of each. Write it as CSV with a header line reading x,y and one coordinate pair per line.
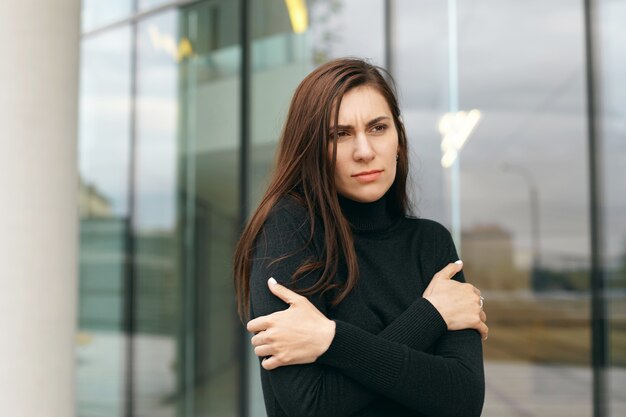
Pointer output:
x,y
516,118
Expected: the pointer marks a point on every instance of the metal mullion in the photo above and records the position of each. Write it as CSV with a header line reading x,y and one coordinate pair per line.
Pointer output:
x,y
388,36
599,351
244,34
131,276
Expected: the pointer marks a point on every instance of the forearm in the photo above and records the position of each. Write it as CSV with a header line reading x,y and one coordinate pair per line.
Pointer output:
x,y
318,390
380,362
360,366
327,390
448,383
418,327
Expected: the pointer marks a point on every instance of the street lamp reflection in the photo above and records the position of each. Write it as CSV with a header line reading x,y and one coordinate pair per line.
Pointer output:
x,y
298,15
455,129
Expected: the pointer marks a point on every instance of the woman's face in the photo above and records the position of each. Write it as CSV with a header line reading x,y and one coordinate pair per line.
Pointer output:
x,y
367,145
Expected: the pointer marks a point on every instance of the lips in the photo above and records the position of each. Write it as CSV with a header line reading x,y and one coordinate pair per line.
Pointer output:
x,y
368,176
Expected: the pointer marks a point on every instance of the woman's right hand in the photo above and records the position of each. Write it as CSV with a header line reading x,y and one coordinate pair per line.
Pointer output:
x,y
459,304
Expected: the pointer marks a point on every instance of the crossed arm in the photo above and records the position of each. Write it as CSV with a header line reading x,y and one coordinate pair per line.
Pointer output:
x,y
324,367
301,333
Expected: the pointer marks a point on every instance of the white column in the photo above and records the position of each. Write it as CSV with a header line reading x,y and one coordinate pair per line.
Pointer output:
x,y
39,58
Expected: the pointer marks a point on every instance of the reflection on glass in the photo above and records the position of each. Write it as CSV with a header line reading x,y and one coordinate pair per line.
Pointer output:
x,y
157,267
208,202
97,13
280,59
455,129
104,143
186,212
347,28
535,280
523,185
298,14
612,90
149,4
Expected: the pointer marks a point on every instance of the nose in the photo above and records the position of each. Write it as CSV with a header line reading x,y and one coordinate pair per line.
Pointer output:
x,y
363,150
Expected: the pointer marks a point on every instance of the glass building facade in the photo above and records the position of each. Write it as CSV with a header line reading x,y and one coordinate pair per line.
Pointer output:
x,y
181,107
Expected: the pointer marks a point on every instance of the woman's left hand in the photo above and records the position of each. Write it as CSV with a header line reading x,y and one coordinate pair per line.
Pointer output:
x,y
297,335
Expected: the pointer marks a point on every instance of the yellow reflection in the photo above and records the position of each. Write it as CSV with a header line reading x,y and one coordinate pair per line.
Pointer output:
x,y
184,49
166,43
83,338
456,128
298,15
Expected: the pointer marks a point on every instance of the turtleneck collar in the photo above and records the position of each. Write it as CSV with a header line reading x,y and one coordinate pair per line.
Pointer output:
x,y
368,217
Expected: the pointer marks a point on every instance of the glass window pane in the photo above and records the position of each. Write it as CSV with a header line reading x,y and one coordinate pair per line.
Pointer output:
x,y
348,28
158,320
104,143
101,12
209,137
611,39
148,4
187,211
516,197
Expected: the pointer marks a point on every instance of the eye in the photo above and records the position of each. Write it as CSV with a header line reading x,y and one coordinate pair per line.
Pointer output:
x,y
342,134
379,128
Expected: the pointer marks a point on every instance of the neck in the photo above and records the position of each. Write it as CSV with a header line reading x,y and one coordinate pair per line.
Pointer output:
x,y
374,216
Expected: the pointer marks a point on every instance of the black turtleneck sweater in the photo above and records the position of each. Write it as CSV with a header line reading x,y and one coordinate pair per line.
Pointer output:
x,y
392,354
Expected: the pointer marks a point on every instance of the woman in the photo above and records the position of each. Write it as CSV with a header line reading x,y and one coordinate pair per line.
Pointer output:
x,y
352,303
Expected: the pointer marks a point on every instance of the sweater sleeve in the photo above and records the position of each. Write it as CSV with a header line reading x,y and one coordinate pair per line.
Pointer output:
x,y
358,364
449,382
420,325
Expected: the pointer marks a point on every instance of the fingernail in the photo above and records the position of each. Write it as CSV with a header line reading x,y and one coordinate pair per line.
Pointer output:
x,y
272,281
460,262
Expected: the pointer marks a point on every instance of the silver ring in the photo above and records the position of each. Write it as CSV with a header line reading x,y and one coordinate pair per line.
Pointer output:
x,y
482,301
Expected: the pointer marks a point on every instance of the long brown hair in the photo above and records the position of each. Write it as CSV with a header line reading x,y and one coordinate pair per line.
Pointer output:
x,y
302,154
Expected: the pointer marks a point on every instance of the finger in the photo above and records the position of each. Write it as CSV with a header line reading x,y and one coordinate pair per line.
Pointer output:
x,y
259,339
264,350
483,330
483,316
270,363
450,270
259,324
282,292
477,292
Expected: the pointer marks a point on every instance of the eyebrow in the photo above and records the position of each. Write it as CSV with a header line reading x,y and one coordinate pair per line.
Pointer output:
x,y
370,123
